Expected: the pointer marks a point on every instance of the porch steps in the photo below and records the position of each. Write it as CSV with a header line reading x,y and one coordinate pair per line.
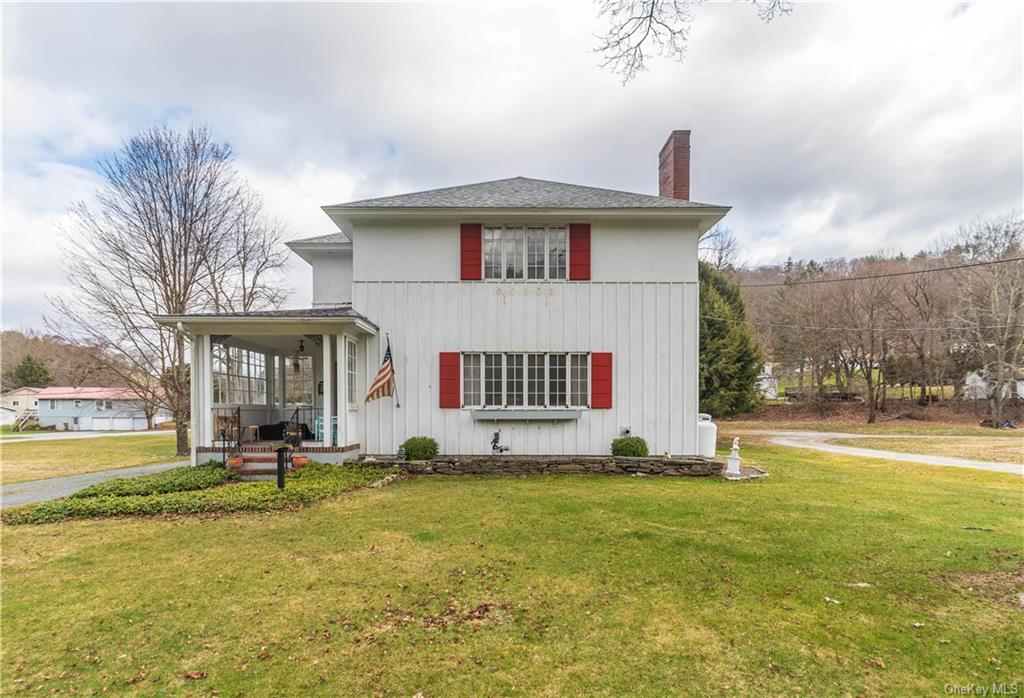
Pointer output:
x,y
259,466
260,458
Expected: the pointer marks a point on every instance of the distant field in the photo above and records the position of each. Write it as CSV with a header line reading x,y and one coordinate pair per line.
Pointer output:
x,y
903,426
34,460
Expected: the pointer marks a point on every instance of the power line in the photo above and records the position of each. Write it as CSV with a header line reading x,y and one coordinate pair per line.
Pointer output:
x,y
882,276
863,329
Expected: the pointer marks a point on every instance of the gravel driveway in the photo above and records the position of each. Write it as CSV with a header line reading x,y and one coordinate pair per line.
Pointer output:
x,y
52,488
817,441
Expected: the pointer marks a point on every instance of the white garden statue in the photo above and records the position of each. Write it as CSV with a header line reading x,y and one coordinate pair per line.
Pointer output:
x,y
733,462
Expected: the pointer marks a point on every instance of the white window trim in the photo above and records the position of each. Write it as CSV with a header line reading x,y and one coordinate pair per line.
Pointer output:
x,y
504,381
526,255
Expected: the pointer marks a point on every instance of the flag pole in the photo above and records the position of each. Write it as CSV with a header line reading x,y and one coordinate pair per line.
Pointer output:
x,y
394,373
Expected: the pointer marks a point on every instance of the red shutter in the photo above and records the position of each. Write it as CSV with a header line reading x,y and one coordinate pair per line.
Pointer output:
x,y
450,383
579,251
601,380
471,259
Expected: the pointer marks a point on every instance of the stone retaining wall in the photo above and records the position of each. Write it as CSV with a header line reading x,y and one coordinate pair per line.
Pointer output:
x,y
519,465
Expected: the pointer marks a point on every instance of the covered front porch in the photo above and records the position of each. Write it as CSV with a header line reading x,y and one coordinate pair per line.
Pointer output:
x,y
263,378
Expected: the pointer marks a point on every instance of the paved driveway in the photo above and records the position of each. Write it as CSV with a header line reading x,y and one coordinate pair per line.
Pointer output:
x,y
22,437
817,441
52,488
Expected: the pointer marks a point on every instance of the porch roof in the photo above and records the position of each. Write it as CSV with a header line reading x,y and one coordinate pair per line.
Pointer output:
x,y
274,321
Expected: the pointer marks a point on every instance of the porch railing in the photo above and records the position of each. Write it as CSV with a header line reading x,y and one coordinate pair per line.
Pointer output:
x,y
303,418
233,425
227,428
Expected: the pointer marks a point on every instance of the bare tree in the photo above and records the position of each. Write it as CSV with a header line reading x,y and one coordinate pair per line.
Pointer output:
x,y
719,248
172,231
991,301
868,309
638,28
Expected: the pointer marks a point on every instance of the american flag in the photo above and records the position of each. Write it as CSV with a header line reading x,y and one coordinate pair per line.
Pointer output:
x,y
384,383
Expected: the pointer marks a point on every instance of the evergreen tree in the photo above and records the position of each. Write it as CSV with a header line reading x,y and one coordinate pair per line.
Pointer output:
x,y
730,359
29,373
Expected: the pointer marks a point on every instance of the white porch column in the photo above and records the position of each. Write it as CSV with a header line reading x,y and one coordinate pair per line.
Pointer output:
x,y
282,392
326,377
342,393
269,369
206,399
194,399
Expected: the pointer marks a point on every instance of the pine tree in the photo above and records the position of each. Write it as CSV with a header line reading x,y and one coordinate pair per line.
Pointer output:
x,y
730,359
29,373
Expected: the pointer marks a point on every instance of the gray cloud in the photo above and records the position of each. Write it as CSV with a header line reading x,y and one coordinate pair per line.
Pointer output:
x,y
841,129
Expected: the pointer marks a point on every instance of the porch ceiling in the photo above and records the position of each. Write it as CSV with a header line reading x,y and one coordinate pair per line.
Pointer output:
x,y
275,344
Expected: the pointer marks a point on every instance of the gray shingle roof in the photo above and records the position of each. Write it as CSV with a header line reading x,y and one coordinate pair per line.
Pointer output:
x,y
334,311
522,192
338,311
329,239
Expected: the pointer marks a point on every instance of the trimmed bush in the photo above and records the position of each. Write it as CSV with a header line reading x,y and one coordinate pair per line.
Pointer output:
x,y
420,448
632,446
315,481
181,479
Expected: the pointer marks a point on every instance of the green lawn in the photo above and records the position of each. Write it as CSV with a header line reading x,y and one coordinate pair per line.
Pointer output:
x,y
545,585
35,460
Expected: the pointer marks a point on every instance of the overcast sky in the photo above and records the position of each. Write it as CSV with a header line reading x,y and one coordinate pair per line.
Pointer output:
x,y
841,129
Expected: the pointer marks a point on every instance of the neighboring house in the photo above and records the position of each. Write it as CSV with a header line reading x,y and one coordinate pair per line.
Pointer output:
x,y
978,387
19,401
8,416
92,409
555,315
767,383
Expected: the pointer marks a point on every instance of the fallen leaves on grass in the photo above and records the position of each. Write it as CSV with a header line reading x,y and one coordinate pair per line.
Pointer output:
x,y
1001,586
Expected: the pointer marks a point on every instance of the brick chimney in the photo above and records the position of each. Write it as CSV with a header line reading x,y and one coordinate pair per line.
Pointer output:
x,y
674,166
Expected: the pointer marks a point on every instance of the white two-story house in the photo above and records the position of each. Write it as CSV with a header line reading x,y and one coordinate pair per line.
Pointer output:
x,y
556,315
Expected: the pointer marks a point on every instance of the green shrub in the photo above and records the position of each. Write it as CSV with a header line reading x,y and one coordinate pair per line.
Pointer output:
x,y
174,480
420,448
633,446
315,481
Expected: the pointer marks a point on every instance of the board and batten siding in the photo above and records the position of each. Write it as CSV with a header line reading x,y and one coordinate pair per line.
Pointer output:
x,y
642,324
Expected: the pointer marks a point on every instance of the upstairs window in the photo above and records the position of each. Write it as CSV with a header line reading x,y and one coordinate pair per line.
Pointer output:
x,y
530,252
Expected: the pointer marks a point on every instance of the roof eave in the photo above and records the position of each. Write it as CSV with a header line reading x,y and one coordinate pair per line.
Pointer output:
x,y
308,250
187,323
706,215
